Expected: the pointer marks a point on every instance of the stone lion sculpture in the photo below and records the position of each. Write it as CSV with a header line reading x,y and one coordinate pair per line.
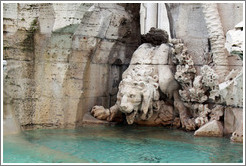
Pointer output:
x,y
139,91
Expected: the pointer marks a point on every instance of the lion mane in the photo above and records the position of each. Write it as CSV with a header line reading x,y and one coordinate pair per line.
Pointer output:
x,y
137,92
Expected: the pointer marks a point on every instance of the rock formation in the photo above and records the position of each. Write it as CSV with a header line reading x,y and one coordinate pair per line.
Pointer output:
x,y
213,128
207,87
63,59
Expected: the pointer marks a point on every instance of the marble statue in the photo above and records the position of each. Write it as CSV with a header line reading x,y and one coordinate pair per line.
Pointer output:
x,y
149,76
139,91
234,40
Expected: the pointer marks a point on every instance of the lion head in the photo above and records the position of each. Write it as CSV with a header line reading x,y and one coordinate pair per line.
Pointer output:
x,y
136,95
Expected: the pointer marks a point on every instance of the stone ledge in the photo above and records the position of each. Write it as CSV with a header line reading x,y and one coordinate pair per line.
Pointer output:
x,y
89,119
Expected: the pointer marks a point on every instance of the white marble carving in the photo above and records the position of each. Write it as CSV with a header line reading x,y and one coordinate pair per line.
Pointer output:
x,y
140,82
139,89
234,40
231,91
217,39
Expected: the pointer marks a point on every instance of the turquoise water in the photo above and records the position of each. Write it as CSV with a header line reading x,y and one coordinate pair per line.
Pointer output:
x,y
118,144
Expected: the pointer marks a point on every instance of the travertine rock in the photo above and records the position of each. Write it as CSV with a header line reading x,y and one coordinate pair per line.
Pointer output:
x,y
233,119
89,119
205,114
190,26
65,58
210,80
194,89
217,112
54,51
231,91
203,117
211,129
233,123
185,70
203,84
166,113
176,122
197,93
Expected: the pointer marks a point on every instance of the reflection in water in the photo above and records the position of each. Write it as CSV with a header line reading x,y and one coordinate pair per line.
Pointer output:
x,y
119,144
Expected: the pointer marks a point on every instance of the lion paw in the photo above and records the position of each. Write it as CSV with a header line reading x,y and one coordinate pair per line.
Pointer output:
x,y
100,112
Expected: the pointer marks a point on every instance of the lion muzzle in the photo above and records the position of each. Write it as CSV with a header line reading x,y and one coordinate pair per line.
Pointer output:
x,y
125,106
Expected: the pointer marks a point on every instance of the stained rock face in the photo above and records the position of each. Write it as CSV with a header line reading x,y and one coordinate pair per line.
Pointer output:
x,y
61,56
233,119
211,129
62,59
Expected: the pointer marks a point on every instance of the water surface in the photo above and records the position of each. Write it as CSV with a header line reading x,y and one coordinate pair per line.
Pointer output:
x,y
118,144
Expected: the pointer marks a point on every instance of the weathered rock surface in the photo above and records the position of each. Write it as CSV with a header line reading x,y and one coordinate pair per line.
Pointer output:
x,y
61,58
205,114
233,123
89,119
188,24
211,129
233,119
237,136
231,91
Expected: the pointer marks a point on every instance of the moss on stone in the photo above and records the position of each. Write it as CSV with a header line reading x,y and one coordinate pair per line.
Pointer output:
x,y
67,29
28,42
